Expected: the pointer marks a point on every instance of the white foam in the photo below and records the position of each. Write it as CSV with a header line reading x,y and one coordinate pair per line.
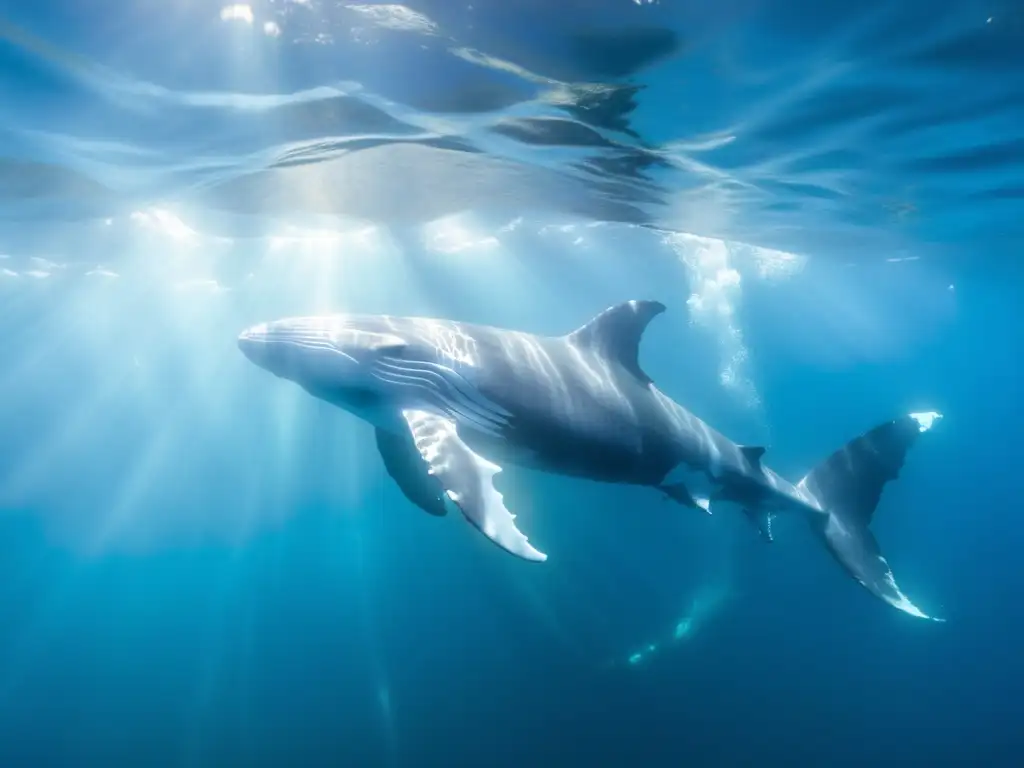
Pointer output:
x,y
715,293
165,223
926,420
396,17
237,12
201,285
452,234
101,272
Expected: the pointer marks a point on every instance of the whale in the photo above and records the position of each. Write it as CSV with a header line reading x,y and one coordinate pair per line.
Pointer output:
x,y
452,403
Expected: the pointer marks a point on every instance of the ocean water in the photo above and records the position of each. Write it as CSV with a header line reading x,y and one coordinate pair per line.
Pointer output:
x,y
201,565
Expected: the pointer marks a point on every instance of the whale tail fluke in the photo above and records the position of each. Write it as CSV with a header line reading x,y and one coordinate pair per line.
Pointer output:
x,y
848,486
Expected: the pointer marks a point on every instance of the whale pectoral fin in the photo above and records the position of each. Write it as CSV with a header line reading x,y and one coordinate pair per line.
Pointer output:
x,y
405,466
761,520
680,493
468,481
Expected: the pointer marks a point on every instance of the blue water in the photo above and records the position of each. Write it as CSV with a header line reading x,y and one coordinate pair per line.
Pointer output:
x,y
200,565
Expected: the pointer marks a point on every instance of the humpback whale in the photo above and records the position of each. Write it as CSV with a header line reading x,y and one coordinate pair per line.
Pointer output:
x,y
453,402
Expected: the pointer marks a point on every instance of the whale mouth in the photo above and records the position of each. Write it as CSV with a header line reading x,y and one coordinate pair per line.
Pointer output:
x,y
253,343
291,347
254,333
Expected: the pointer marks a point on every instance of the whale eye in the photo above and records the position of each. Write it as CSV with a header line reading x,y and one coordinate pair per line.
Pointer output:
x,y
392,350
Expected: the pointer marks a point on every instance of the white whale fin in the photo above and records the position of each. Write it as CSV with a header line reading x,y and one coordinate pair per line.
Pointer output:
x,y
468,480
405,466
679,493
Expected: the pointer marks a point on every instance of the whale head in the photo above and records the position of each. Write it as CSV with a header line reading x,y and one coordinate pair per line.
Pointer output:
x,y
330,357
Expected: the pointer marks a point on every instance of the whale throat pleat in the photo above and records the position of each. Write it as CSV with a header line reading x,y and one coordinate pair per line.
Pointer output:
x,y
445,389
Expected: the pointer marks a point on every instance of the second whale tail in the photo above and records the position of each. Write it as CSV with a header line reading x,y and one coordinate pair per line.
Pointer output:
x,y
848,486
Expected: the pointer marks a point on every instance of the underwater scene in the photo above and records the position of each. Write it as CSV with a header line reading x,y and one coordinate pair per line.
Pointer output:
x,y
511,383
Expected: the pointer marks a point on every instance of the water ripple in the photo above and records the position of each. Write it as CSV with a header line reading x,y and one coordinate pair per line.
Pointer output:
x,y
798,126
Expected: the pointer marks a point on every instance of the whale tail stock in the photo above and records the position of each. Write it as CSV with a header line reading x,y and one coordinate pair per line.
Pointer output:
x,y
848,486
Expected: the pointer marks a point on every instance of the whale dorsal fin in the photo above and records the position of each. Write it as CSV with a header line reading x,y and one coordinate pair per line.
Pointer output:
x,y
616,333
753,454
